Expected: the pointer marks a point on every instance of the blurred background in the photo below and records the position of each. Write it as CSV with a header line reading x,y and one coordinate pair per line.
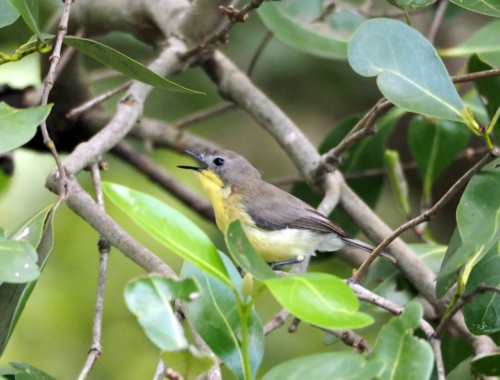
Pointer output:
x,y
54,332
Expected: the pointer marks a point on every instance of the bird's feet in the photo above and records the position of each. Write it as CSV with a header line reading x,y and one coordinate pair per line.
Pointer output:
x,y
279,264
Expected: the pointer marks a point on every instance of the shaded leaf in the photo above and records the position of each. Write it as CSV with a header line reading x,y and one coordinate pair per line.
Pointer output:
x,y
299,25
215,317
445,283
461,372
123,64
397,180
28,372
18,126
410,73
320,299
244,254
29,12
405,356
189,362
7,13
434,145
149,298
37,231
410,5
488,89
327,366
169,227
483,42
482,316
485,7
486,364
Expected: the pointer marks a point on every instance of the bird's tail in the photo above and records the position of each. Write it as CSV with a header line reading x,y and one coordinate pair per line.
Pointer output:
x,y
366,247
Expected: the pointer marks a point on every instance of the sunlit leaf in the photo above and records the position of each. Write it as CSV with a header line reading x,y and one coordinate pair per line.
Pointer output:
x,y
169,227
215,317
327,366
17,262
123,64
244,254
405,356
29,12
299,25
397,180
320,299
149,298
410,73
7,13
18,126
28,372
189,362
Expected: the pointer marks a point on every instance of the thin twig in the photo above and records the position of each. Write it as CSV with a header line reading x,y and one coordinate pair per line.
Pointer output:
x,y
203,115
104,249
234,15
47,86
464,299
438,18
258,53
75,112
294,325
350,338
160,371
426,216
473,76
276,322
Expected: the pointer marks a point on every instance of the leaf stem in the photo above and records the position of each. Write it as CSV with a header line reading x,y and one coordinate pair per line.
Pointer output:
x,y
244,341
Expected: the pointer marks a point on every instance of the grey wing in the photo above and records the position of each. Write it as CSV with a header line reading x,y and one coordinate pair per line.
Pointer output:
x,y
275,209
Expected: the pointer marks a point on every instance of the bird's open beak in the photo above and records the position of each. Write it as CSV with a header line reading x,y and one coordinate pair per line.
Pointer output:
x,y
198,157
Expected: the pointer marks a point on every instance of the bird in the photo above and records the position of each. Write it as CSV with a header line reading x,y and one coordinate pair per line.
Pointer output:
x,y
282,228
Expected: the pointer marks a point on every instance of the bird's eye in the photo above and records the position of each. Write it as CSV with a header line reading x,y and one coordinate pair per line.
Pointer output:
x,y
218,161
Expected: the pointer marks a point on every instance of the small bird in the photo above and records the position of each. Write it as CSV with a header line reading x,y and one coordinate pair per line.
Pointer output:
x,y
282,228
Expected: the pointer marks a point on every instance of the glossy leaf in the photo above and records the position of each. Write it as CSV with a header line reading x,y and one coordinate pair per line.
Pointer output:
x,y
297,24
244,254
478,219
189,362
150,298
410,5
7,13
486,364
17,262
29,12
445,282
482,316
320,299
18,126
123,64
434,145
215,317
327,366
397,180
488,89
169,227
365,155
485,7
410,73
28,372
483,42
405,356
37,231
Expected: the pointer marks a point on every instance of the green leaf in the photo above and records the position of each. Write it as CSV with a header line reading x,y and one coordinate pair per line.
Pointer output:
x,y
365,155
488,89
169,227
397,180
434,145
245,254
320,299
327,366
405,356
123,64
28,372
298,24
483,43
7,13
189,362
37,231
17,262
215,317
411,5
410,73
18,126
461,371
149,298
445,283
485,7
486,364
478,219
482,316
29,12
